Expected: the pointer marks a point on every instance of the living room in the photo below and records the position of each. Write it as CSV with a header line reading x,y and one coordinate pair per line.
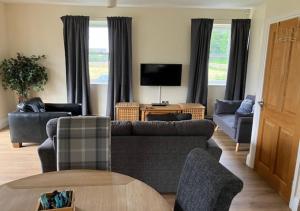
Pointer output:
x,y
162,33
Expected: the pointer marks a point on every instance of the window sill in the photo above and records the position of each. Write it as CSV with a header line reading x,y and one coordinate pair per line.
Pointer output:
x,y
98,84
224,85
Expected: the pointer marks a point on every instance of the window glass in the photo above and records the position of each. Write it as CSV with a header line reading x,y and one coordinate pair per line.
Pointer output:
x,y
219,54
98,52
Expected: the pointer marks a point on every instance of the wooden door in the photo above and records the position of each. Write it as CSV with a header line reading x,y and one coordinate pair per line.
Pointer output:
x,y
279,129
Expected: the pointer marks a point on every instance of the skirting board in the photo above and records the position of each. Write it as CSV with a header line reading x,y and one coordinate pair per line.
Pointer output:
x,y
3,122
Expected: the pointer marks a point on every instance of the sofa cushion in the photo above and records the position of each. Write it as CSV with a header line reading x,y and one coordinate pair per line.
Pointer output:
x,y
161,117
121,128
246,107
184,116
226,106
155,128
51,128
169,117
204,128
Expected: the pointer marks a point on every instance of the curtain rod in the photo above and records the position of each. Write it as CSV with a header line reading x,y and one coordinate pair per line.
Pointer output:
x,y
101,18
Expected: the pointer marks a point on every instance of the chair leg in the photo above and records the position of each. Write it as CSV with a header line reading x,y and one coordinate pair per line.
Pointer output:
x,y
17,145
237,147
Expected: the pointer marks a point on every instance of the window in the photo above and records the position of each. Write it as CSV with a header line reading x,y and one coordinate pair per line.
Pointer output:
x,y
98,52
219,54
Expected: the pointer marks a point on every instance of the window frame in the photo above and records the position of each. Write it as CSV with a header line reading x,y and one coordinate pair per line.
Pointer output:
x,y
220,82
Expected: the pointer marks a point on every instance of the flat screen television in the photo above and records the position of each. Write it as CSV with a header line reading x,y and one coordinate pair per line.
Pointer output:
x,y
161,74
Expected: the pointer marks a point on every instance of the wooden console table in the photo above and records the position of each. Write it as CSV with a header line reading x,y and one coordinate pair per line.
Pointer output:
x,y
135,111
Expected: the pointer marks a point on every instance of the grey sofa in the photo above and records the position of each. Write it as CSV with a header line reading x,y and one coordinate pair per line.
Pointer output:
x,y
28,123
153,152
237,126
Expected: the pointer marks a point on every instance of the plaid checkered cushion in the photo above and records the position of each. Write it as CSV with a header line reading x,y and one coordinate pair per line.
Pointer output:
x,y
84,143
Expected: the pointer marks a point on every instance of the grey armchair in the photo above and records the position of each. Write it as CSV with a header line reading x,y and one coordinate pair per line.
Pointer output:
x,y
205,184
28,123
236,125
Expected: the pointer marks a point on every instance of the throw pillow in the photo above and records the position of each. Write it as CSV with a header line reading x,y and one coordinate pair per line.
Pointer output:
x,y
246,107
226,106
23,107
184,116
161,117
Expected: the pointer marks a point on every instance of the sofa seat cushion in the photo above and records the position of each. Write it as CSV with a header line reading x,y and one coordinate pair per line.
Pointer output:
x,y
226,123
121,128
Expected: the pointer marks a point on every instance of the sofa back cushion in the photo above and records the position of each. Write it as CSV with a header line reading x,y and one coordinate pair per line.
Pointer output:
x,y
121,128
180,128
204,128
169,117
153,128
226,106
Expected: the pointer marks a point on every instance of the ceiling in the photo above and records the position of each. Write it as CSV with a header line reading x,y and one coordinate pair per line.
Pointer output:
x,y
151,3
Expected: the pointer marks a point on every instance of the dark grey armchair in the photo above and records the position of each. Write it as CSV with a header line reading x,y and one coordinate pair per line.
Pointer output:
x,y
205,184
28,123
236,125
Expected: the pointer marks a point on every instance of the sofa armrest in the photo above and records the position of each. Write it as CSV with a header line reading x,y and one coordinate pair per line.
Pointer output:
x,y
214,149
75,109
30,126
226,106
47,156
244,130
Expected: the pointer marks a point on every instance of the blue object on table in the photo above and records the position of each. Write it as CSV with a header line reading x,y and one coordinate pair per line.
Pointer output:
x,y
55,200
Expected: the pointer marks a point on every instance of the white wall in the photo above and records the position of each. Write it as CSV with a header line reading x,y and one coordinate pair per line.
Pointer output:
x,y
7,100
160,35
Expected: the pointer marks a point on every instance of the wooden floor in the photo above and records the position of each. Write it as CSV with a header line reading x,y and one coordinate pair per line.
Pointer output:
x,y
256,194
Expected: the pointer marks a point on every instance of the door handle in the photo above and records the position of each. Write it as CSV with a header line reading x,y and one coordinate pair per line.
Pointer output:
x,y
261,103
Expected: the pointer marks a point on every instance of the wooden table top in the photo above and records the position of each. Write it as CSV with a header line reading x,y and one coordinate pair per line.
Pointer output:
x,y
93,190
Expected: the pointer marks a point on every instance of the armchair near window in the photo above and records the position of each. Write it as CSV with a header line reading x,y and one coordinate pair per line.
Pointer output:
x,y
236,124
28,123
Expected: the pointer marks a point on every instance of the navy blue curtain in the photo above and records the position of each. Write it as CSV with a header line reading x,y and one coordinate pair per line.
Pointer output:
x,y
120,62
200,45
238,59
76,42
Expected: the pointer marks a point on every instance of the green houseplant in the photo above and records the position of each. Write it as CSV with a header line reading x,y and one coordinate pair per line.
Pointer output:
x,y
23,74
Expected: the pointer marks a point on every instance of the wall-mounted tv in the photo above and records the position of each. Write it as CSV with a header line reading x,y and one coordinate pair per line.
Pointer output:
x,y
161,74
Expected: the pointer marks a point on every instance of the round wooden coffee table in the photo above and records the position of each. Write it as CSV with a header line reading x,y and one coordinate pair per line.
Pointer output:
x,y
93,190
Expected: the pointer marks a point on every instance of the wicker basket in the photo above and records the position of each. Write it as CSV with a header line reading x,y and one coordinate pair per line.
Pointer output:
x,y
197,110
128,111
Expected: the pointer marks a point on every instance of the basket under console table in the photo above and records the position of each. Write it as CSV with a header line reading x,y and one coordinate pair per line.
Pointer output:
x,y
136,111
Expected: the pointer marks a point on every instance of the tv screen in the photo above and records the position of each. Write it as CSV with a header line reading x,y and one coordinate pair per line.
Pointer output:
x,y
161,74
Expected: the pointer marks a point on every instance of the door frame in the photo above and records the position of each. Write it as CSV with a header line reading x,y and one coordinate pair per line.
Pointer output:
x,y
295,198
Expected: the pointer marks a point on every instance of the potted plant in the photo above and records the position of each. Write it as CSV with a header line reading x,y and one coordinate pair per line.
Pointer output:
x,y
23,74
